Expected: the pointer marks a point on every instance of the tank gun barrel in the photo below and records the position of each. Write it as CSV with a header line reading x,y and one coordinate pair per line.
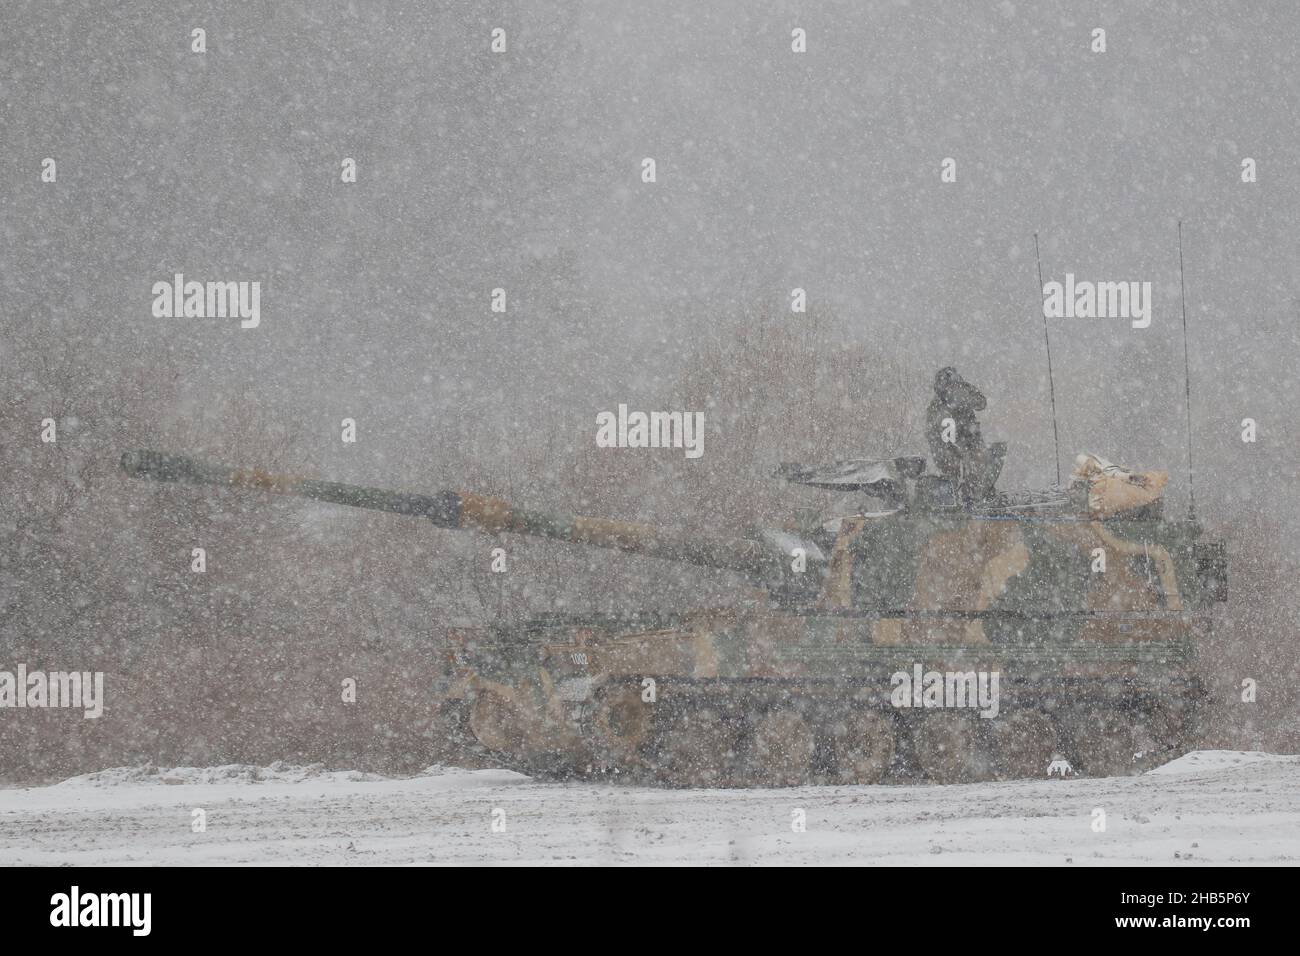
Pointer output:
x,y
466,510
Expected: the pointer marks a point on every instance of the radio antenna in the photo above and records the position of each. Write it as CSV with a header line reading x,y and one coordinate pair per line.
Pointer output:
x,y
1187,381
1047,339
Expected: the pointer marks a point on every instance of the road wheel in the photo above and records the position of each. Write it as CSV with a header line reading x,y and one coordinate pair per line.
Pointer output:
x,y
697,748
946,748
623,724
1102,741
781,749
1024,742
497,722
863,743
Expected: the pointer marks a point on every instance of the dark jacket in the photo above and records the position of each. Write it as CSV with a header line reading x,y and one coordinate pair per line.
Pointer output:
x,y
958,399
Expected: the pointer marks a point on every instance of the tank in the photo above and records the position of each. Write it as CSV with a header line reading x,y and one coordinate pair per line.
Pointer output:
x,y
921,636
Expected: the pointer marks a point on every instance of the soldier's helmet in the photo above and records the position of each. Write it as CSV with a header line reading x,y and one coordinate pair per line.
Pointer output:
x,y
945,378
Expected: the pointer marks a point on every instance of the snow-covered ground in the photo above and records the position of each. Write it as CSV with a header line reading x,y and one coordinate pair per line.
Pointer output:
x,y
1216,807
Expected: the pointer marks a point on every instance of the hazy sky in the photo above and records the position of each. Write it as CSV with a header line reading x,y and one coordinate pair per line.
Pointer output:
x,y
775,170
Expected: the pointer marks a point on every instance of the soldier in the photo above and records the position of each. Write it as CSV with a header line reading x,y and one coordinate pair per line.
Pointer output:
x,y
954,433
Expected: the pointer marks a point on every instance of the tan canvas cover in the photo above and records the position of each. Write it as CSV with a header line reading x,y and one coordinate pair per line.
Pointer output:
x,y
1113,489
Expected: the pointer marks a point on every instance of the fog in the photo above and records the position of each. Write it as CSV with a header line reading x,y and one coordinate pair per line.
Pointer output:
x,y
523,171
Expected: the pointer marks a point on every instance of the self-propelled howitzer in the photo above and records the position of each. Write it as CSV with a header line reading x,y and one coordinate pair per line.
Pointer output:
x,y
924,633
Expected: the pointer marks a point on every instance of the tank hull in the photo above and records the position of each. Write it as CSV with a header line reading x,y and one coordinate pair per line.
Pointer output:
x,y
774,698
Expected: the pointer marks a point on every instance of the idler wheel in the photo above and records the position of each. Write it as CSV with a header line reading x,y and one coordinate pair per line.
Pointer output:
x,y
1102,741
946,748
863,742
1023,742
781,749
1160,734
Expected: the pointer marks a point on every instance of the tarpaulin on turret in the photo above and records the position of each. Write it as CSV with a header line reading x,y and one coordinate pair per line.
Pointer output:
x,y
1113,489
